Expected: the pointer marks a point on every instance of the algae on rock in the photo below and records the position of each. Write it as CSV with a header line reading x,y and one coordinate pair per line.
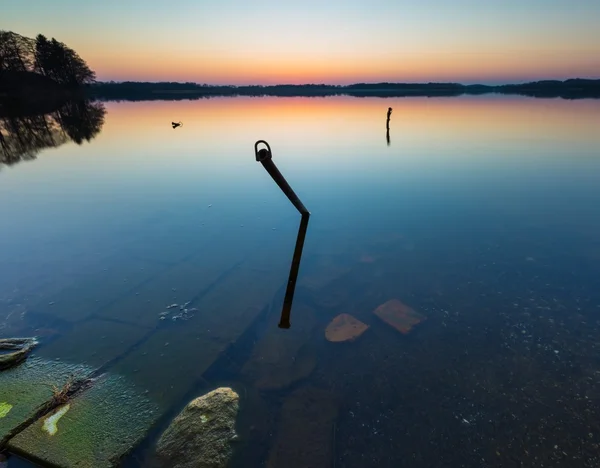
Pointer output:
x,y
23,347
27,387
201,435
94,430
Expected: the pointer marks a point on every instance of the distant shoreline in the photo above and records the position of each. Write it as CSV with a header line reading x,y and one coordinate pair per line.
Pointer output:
x,y
141,91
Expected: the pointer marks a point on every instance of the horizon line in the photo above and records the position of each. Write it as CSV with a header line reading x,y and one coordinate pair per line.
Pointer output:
x,y
352,84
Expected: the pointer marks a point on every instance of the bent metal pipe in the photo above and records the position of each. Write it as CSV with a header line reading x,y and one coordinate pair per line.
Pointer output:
x,y
265,157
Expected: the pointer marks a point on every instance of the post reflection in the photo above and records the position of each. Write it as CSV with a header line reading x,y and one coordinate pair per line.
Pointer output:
x,y
387,125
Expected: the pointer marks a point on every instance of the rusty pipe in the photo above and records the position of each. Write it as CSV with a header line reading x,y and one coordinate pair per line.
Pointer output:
x,y
265,157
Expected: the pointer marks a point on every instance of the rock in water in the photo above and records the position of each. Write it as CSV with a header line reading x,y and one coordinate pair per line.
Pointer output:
x,y
201,435
398,315
344,328
23,347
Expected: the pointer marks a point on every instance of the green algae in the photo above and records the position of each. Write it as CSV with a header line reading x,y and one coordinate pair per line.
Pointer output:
x,y
5,408
51,422
97,429
30,385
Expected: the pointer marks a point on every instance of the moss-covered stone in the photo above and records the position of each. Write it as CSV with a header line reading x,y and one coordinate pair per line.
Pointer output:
x,y
201,435
95,430
23,347
24,388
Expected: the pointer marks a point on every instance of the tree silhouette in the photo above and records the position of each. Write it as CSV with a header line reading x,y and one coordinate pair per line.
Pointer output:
x,y
43,56
57,61
16,52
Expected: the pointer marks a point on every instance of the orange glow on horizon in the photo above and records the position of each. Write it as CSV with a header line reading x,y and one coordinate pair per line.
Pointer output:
x,y
305,119
393,66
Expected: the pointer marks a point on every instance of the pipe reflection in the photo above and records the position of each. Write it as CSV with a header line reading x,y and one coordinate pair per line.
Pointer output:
x,y
284,322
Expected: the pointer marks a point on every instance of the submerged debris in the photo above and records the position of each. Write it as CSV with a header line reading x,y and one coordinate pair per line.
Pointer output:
x,y
182,314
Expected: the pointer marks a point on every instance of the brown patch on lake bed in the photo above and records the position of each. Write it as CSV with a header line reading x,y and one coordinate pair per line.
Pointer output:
x,y
398,315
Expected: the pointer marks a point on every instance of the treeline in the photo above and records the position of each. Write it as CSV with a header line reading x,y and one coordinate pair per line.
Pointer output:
x,y
569,89
576,88
46,57
131,90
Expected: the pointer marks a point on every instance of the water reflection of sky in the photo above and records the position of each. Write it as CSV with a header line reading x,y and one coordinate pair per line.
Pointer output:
x,y
466,184
468,159
451,162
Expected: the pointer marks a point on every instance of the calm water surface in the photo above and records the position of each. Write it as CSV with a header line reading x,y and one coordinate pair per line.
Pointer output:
x,y
481,214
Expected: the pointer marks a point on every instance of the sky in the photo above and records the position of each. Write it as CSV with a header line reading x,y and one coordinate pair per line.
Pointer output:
x,y
321,41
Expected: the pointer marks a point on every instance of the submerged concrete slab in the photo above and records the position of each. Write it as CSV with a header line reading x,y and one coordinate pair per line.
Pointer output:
x,y
97,290
96,429
174,358
178,284
169,363
94,342
283,357
172,239
305,435
24,388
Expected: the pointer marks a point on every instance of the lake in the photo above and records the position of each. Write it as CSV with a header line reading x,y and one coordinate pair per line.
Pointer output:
x,y
479,215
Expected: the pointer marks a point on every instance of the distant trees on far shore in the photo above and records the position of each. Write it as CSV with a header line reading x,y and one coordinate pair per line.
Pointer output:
x,y
43,56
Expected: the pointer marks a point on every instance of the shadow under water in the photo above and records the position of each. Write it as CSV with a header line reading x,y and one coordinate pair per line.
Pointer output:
x,y
23,136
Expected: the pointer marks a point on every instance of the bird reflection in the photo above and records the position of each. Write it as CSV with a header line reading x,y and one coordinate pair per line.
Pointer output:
x,y
291,285
24,134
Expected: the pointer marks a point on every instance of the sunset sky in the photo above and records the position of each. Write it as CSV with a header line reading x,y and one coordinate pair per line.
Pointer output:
x,y
331,41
